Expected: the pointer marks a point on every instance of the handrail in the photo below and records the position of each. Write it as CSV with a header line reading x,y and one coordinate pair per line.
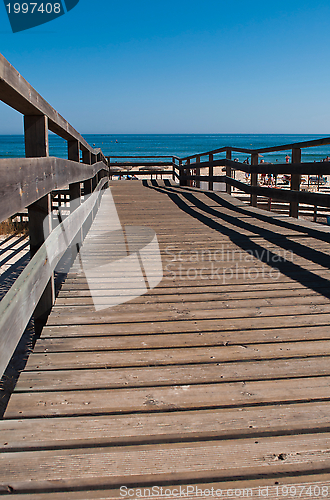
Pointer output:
x,y
20,95
283,147
308,168
26,180
19,303
287,195
28,183
140,156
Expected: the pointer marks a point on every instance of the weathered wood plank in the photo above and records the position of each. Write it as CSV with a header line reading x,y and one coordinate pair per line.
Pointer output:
x,y
67,339
272,488
173,398
97,358
101,325
173,462
29,434
108,376
81,315
178,303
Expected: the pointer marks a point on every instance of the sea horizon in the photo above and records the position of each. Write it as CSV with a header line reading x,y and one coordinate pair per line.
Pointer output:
x,y
12,145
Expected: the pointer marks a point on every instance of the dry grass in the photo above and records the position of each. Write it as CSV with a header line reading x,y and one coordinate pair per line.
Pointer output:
x,y
9,227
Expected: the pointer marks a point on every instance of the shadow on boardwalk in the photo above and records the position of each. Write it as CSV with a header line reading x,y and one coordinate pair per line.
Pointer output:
x,y
195,207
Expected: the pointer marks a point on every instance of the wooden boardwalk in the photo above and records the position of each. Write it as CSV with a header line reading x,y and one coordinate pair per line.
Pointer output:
x,y
219,377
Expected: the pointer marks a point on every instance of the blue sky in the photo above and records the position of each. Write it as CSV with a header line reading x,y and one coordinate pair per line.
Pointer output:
x,y
179,66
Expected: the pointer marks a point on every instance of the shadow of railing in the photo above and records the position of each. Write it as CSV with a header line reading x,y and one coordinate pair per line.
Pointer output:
x,y
212,218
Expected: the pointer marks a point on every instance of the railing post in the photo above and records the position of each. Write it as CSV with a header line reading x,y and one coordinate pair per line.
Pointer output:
x,y
88,222
87,157
75,191
228,171
211,172
181,172
254,178
188,172
75,196
198,171
295,183
40,220
173,168
88,189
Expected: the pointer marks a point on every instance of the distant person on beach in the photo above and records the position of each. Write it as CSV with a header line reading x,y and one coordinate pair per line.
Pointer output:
x,y
287,159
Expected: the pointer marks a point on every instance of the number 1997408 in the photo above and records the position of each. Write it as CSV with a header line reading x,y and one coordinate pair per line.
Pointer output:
x,y
31,8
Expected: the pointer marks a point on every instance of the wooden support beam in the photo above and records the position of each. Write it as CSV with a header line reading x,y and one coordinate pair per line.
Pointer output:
x,y
40,227
198,171
36,136
188,172
74,150
211,173
254,178
87,192
36,144
295,183
228,171
75,202
181,173
173,169
87,157
75,197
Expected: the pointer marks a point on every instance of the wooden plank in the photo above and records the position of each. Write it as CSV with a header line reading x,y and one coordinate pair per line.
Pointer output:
x,y
108,376
97,358
75,303
81,315
158,296
217,460
172,398
227,423
66,339
77,283
101,326
272,488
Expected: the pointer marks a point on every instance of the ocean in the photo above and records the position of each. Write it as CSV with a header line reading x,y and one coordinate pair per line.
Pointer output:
x,y
12,146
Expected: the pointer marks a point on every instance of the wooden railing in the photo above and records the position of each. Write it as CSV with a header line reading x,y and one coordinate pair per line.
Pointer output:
x,y
189,171
141,165
30,183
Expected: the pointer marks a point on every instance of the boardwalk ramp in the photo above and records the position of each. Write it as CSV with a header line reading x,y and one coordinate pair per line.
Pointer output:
x,y
206,377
